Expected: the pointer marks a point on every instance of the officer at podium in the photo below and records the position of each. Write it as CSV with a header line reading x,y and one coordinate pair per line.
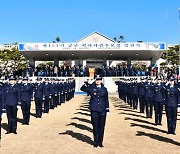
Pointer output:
x,y
99,106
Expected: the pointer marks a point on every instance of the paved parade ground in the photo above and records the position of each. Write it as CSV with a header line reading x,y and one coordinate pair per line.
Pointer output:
x,y
68,130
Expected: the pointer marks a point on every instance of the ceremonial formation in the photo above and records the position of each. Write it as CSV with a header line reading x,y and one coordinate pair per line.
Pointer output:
x,y
147,95
21,93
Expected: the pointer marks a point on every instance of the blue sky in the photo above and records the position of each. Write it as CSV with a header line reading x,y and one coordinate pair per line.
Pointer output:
x,y
43,20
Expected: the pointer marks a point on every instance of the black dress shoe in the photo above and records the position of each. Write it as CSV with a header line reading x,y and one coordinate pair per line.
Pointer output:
x,y
101,145
174,133
7,133
15,132
95,145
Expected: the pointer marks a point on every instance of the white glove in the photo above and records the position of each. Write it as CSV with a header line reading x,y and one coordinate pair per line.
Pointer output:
x,y
3,115
49,96
178,109
167,83
43,98
18,107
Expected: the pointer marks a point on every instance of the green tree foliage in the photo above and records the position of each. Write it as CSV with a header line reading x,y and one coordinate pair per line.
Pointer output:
x,y
58,39
120,40
12,60
172,56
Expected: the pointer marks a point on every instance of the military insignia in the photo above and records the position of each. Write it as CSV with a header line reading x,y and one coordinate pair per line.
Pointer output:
x,y
95,91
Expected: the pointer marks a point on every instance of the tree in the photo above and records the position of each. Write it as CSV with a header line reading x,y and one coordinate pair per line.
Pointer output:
x,y
115,39
11,61
121,38
58,39
172,56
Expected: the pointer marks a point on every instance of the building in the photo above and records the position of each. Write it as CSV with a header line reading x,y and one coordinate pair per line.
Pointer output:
x,y
94,50
8,47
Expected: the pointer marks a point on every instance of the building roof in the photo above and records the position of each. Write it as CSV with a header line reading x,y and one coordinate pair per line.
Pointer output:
x,y
96,37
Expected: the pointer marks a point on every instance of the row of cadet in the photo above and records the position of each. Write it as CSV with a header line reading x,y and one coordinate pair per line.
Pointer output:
x,y
149,94
46,93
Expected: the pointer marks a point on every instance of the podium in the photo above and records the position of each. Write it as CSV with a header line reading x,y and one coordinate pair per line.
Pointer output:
x,y
91,72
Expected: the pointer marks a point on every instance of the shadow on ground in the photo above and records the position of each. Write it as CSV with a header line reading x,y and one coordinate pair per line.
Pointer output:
x,y
82,115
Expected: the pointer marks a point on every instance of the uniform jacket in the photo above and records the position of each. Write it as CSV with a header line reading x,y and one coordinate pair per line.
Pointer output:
x,y
149,90
38,90
11,95
25,92
141,90
99,97
159,93
171,96
46,90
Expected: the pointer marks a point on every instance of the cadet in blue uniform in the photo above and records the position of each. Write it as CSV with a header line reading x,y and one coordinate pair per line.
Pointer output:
x,y
11,99
2,107
148,86
135,94
158,99
46,95
25,90
62,92
52,93
99,106
141,92
171,104
38,95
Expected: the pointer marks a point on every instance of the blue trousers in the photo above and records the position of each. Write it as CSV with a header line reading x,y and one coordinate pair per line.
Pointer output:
x,y
149,106
158,108
26,106
46,104
171,113
12,118
142,103
38,103
98,120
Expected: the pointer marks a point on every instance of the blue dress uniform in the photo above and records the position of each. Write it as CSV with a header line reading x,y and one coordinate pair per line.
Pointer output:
x,y
118,84
98,105
25,91
130,94
10,99
158,98
52,93
73,87
46,95
59,93
55,101
141,92
38,95
135,95
149,98
66,90
62,92
171,104
2,107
